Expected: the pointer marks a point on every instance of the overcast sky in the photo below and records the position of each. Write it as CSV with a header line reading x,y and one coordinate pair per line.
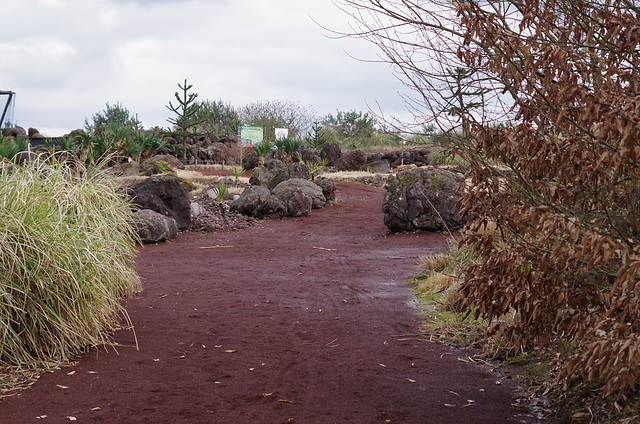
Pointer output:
x,y
66,58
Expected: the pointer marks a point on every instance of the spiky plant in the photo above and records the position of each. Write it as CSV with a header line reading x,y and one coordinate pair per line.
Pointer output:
x,y
66,260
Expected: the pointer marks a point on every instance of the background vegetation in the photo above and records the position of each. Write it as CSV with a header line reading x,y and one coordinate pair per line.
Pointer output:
x,y
118,134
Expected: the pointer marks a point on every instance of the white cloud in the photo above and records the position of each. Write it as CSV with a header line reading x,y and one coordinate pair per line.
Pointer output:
x,y
79,54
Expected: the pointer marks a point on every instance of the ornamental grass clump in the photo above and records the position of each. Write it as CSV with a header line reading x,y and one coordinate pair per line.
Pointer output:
x,y
66,260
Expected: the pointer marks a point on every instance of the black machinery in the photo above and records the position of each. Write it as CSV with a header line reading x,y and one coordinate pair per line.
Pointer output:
x,y
10,96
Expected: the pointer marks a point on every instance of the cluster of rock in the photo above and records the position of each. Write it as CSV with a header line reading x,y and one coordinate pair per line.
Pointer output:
x,y
164,207
17,131
208,149
281,190
208,216
418,199
423,199
278,190
355,160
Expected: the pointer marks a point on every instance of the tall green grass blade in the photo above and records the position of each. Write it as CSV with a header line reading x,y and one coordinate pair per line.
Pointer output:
x,y
67,252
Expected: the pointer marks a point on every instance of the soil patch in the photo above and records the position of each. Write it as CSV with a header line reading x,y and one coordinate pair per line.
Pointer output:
x,y
304,320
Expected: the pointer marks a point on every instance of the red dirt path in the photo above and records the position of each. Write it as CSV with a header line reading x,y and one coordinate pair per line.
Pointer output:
x,y
303,320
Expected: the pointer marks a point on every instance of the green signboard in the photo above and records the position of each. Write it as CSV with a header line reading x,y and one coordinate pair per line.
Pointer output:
x,y
251,135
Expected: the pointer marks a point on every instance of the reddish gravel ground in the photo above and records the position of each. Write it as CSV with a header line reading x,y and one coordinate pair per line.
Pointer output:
x,y
305,320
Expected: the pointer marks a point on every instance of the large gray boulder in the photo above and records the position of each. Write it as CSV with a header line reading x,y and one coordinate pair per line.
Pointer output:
x,y
378,167
257,201
16,131
274,171
299,196
353,161
153,227
423,199
328,188
250,160
332,153
310,155
164,194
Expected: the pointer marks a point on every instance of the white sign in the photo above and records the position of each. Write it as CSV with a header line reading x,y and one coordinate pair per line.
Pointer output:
x,y
282,133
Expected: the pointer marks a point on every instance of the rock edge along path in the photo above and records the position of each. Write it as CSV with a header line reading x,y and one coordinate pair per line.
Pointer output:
x,y
305,320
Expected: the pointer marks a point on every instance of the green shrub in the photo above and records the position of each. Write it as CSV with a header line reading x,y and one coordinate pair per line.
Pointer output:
x,y
316,139
264,148
11,146
66,259
288,145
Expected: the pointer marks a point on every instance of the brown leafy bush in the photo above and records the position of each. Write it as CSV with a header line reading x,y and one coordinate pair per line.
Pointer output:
x,y
566,254
560,180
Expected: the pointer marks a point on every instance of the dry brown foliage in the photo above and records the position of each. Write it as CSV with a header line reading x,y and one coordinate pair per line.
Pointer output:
x,y
566,253
561,180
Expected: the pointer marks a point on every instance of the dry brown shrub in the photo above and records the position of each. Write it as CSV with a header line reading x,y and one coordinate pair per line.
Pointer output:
x,y
435,283
565,253
560,180
433,262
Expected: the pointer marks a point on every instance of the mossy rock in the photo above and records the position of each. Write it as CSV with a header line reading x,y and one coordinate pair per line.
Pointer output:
x,y
188,184
423,199
160,164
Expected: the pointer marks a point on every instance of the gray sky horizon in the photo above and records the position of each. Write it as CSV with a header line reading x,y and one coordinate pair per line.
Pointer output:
x,y
65,59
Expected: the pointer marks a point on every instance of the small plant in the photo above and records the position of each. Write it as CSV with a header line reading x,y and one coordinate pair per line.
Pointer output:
x,y
316,169
279,144
288,145
291,145
264,148
66,144
237,172
187,116
219,190
317,138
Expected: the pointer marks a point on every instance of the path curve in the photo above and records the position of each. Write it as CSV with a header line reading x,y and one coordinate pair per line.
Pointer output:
x,y
304,320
